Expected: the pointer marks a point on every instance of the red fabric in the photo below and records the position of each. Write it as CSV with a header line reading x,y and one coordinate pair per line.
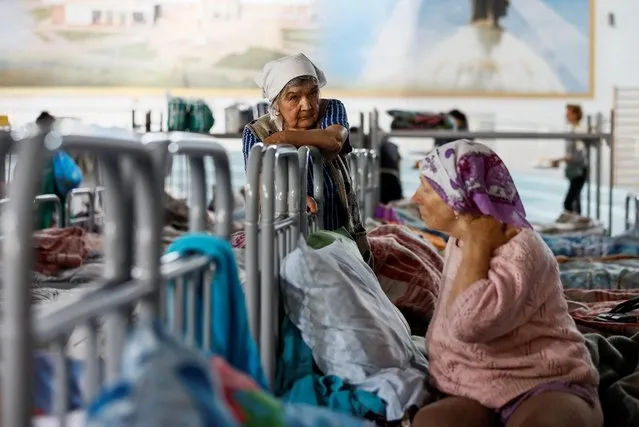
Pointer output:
x,y
585,305
409,270
238,240
59,248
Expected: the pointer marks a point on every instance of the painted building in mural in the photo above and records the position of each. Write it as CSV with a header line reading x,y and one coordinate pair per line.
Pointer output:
x,y
103,13
110,13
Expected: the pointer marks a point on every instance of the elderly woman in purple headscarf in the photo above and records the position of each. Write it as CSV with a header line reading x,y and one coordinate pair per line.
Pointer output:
x,y
503,349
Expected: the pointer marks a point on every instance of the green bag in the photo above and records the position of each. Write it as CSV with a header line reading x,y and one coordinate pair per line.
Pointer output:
x,y
177,119
323,238
200,117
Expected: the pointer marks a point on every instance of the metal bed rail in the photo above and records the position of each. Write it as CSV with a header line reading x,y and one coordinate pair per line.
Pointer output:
x,y
117,294
364,165
634,224
7,158
274,223
311,157
197,149
593,141
129,282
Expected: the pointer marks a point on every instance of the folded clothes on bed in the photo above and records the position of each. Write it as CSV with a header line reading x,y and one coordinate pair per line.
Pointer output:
x,y
585,273
580,246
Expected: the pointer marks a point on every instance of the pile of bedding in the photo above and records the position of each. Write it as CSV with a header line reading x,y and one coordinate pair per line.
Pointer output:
x,y
612,272
356,343
571,224
580,246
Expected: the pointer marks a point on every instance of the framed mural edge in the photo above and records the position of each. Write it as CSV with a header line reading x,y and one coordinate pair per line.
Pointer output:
x,y
298,30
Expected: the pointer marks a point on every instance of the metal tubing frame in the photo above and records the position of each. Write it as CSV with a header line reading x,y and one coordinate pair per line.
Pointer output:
x,y
631,225
364,165
313,156
196,147
273,229
19,330
591,140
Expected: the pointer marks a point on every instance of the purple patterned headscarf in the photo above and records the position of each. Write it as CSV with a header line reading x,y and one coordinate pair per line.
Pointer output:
x,y
471,178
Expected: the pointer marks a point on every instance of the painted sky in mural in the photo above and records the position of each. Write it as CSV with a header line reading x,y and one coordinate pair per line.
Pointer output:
x,y
534,46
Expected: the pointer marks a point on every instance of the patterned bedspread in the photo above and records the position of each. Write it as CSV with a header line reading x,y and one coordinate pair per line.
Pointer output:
x,y
600,273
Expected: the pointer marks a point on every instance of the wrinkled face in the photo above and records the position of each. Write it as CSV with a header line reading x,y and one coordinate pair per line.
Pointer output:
x,y
435,213
299,106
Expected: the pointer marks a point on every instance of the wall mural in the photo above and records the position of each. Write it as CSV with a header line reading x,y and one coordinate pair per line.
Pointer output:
x,y
372,48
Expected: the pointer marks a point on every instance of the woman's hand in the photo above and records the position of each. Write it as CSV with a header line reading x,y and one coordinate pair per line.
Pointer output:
x,y
277,138
487,232
311,205
481,236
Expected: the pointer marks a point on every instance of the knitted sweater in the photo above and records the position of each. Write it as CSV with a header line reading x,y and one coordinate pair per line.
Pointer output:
x,y
507,334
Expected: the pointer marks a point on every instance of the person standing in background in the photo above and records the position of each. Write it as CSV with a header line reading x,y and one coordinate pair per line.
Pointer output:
x,y
576,161
45,123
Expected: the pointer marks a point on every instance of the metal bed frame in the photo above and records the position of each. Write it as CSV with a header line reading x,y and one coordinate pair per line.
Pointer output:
x,y
276,217
594,142
7,146
273,228
312,157
365,174
634,224
125,285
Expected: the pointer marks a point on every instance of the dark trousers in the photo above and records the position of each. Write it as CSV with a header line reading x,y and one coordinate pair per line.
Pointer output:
x,y
572,202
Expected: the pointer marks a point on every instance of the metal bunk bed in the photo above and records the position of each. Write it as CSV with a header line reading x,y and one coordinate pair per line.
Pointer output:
x,y
126,285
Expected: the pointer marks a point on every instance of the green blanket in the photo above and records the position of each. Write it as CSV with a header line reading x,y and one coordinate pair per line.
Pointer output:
x,y
617,360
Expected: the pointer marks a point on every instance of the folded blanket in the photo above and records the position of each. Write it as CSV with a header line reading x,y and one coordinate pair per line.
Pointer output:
x,y
585,305
409,270
60,248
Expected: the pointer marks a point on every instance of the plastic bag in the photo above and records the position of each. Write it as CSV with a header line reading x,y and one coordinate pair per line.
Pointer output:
x,y
66,173
163,383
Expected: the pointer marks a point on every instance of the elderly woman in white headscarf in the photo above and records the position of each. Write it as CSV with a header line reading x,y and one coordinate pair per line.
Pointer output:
x,y
298,116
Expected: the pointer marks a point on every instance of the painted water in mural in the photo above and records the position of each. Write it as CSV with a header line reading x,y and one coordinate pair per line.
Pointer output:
x,y
377,47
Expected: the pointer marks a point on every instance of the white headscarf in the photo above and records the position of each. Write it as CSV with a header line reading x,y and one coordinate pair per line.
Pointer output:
x,y
277,73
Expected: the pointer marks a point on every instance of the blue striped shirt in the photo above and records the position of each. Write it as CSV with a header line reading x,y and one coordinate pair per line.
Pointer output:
x,y
335,115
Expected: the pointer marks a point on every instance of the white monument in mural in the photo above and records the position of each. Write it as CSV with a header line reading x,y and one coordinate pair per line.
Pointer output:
x,y
481,56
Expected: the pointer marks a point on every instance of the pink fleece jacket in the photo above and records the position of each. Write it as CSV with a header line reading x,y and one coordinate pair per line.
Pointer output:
x,y
509,333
